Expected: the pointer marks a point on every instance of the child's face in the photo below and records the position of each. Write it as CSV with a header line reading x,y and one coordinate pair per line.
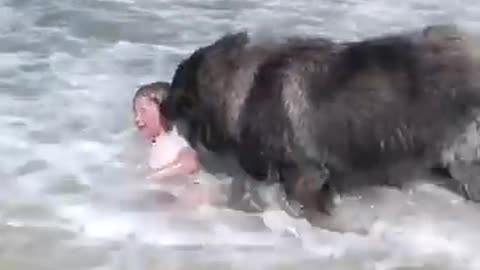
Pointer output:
x,y
147,118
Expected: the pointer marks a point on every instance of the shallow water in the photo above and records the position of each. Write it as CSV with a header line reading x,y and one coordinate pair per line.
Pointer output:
x,y
71,197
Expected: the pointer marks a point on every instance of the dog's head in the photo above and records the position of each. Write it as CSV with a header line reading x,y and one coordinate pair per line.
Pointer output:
x,y
183,96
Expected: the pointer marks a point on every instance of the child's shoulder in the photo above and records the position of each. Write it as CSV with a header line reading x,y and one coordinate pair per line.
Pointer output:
x,y
180,128
178,134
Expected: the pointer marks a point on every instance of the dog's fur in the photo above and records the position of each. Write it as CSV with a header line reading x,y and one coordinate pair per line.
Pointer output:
x,y
322,115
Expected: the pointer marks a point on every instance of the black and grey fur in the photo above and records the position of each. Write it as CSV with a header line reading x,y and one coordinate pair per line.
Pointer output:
x,y
325,116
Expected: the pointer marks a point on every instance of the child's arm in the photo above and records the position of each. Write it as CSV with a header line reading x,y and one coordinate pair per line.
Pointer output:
x,y
187,162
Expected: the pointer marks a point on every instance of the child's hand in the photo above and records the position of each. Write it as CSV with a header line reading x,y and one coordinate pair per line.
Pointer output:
x,y
160,173
187,161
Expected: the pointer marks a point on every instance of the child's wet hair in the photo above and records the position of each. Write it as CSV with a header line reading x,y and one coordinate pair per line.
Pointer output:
x,y
156,91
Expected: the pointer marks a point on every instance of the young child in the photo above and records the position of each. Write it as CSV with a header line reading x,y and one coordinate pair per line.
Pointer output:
x,y
174,165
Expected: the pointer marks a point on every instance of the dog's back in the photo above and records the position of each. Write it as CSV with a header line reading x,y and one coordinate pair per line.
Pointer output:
x,y
361,106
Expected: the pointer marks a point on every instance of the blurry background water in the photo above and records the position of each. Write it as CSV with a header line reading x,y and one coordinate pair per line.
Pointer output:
x,y
69,197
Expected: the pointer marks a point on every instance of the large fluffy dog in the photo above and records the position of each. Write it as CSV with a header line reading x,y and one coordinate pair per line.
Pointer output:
x,y
324,116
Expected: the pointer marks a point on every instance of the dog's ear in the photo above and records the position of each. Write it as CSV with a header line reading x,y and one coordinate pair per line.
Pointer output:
x,y
186,104
169,108
179,103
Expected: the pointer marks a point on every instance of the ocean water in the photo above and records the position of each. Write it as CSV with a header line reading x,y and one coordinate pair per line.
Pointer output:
x,y
71,196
